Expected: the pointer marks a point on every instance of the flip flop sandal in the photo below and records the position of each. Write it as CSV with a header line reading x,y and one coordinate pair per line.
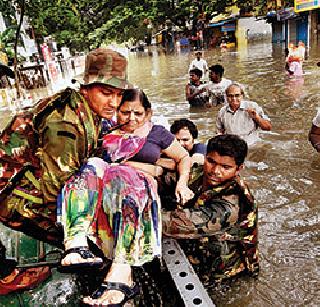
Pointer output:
x,y
129,292
85,253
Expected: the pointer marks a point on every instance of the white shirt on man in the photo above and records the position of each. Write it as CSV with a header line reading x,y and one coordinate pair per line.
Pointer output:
x,y
216,91
201,64
239,122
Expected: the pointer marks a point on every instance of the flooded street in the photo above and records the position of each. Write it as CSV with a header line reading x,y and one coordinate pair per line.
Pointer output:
x,y
283,171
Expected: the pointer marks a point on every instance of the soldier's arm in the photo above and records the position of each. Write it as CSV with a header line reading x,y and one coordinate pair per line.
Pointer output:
x,y
248,220
60,156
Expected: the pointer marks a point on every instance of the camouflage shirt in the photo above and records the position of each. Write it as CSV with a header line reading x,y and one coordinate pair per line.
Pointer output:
x,y
68,135
39,150
224,220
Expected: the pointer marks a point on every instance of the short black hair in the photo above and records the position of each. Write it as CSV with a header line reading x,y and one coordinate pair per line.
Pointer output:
x,y
196,71
184,123
218,69
229,145
132,94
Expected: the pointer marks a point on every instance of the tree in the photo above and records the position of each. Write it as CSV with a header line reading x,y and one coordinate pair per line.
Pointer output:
x,y
7,39
85,24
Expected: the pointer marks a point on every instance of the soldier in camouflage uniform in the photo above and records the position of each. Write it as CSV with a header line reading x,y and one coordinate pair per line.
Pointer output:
x,y
223,213
43,146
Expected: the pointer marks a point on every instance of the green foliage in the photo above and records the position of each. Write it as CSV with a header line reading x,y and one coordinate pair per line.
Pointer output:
x,y
85,24
7,39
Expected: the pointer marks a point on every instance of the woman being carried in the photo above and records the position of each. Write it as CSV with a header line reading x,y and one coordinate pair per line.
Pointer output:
x,y
114,203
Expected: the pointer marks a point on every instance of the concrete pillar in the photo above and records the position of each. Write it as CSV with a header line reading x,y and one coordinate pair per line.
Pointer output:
x,y
309,28
242,39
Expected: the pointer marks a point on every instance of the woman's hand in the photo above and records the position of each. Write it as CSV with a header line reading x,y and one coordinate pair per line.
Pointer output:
x,y
181,156
183,193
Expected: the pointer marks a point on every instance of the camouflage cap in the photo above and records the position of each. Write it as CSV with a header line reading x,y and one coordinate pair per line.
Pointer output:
x,y
106,66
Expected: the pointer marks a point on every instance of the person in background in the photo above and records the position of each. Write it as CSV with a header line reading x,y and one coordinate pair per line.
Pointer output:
x,y
186,133
194,92
295,60
223,46
215,89
241,117
301,50
222,217
286,53
199,63
314,133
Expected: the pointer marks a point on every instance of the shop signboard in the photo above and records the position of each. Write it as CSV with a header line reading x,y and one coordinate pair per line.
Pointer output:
x,y
286,13
46,52
228,27
52,71
306,5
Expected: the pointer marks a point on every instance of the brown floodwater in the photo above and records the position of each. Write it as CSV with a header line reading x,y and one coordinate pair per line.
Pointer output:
x,y
282,170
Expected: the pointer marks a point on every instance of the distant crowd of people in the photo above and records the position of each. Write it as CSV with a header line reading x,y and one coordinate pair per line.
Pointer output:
x,y
237,115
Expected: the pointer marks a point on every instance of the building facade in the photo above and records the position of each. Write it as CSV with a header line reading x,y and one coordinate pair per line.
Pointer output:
x,y
294,24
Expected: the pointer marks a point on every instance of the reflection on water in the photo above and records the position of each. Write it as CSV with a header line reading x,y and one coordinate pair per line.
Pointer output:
x,y
282,171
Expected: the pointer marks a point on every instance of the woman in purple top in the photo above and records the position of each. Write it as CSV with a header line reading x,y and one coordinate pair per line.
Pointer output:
x,y
114,202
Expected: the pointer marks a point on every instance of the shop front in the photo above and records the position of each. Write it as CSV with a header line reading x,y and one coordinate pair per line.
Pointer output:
x,y
223,31
294,24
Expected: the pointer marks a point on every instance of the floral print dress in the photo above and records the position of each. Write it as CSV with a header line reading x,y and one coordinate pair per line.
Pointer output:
x,y
114,205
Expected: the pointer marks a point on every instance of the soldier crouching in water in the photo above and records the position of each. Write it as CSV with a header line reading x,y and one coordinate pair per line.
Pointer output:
x,y
42,147
222,213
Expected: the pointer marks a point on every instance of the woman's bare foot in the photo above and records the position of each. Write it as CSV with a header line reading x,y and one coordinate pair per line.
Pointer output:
x,y
120,273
